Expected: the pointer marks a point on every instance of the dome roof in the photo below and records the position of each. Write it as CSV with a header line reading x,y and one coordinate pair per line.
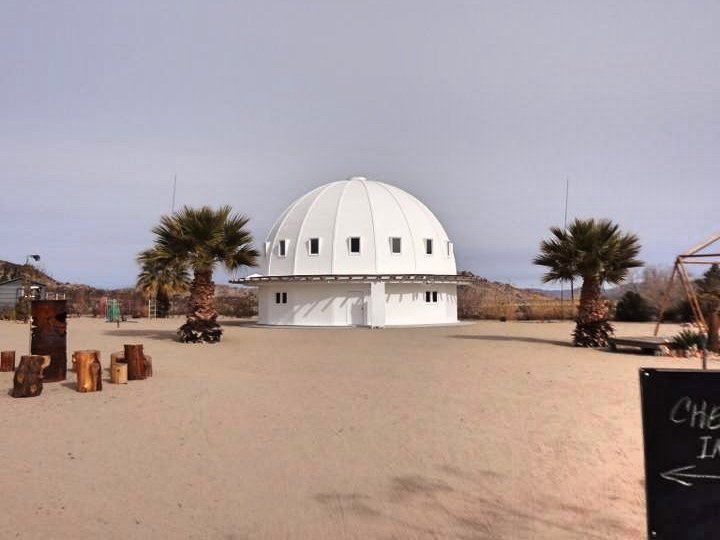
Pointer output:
x,y
357,226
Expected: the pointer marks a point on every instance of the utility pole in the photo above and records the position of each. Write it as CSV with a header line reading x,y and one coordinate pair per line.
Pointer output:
x,y
27,284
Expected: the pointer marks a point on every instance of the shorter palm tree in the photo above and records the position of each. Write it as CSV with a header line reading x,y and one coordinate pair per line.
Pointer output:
x,y
597,252
199,239
161,281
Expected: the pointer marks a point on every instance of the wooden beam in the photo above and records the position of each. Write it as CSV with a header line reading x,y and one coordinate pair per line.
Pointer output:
x,y
705,244
699,255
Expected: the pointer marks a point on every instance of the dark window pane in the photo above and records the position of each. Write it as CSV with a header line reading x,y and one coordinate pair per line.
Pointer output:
x,y
396,245
427,296
355,245
284,298
314,246
277,297
434,296
282,248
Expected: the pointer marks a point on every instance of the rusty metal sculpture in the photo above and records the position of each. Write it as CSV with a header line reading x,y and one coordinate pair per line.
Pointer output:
x,y
49,336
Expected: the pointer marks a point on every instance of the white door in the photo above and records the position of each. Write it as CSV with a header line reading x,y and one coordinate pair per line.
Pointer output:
x,y
356,308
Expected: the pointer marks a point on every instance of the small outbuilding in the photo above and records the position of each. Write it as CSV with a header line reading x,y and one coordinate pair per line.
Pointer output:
x,y
357,252
12,290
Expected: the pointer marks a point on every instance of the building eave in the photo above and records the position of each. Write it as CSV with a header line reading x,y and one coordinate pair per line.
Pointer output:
x,y
357,278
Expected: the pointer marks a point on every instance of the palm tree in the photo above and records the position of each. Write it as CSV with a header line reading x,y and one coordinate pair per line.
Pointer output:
x,y
199,239
161,281
597,252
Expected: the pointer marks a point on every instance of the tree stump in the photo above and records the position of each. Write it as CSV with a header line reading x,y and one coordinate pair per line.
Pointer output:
x,y
28,380
88,371
118,373
135,359
7,361
116,357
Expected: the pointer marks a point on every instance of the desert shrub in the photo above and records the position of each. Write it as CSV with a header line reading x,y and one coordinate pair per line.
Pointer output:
x,y
21,310
632,307
680,312
246,306
243,306
687,339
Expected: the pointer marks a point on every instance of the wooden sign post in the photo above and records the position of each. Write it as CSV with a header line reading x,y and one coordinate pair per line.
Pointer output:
x,y
681,432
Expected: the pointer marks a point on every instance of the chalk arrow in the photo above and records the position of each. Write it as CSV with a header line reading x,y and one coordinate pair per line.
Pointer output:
x,y
681,477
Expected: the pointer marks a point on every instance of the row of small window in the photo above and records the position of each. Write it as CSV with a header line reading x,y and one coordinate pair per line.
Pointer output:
x,y
354,246
431,297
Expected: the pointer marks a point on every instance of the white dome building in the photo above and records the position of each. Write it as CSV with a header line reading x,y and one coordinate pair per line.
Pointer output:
x,y
357,253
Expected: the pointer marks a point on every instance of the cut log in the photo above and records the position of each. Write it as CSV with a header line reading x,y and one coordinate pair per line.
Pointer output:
x,y
116,357
135,359
88,370
118,373
28,379
7,361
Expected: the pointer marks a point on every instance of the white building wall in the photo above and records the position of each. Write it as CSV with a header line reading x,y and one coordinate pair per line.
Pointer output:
x,y
406,305
314,304
345,304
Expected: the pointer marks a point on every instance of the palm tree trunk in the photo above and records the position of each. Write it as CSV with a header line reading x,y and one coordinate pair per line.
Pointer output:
x,y
162,302
592,328
201,324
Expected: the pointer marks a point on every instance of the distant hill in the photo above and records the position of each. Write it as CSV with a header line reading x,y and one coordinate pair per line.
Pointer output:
x,y
485,299
612,293
85,299
10,270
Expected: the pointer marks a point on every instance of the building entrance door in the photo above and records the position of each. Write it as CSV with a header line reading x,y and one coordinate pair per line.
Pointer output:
x,y
356,308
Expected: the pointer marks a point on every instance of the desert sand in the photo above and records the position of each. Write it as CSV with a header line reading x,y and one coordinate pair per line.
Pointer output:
x,y
489,430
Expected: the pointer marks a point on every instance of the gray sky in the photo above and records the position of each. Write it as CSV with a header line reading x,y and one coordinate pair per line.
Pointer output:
x,y
480,109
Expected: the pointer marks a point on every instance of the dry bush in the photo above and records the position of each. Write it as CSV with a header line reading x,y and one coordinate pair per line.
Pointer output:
x,y
490,300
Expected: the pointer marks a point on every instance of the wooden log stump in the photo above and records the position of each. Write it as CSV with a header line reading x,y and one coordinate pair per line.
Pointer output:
x,y
135,359
118,373
7,361
88,371
28,379
116,357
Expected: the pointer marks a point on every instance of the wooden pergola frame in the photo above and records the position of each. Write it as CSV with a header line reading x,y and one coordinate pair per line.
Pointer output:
x,y
691,256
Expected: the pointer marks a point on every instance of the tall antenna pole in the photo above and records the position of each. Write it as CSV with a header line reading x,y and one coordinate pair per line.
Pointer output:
x,y
562,283
172,209
567,190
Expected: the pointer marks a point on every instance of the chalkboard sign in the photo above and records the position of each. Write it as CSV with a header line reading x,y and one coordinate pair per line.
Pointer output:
x,y
681,431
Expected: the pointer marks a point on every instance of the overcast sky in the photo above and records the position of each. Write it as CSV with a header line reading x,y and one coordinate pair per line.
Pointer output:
x,y
480,109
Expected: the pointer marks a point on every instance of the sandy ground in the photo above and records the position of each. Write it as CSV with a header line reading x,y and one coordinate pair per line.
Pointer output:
x,y
491,430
